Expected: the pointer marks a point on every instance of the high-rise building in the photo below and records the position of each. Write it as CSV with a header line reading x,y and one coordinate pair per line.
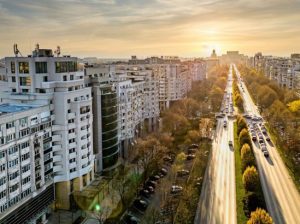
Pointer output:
x,y
45,79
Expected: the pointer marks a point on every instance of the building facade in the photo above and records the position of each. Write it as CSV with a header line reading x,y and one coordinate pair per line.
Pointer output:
x,y
45,79
26,163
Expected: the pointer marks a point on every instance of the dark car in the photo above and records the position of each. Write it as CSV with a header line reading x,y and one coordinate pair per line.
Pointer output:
x,y
145,193
190,156
140,204
151,183
191,151
154,177
150,189
131,219
167,159
183,172
163,171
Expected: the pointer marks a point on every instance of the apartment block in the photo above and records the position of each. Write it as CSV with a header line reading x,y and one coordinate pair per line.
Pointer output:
x,y
26,163
47,79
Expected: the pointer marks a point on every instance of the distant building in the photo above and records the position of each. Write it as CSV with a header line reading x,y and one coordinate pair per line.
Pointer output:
x,y
233,57
212,61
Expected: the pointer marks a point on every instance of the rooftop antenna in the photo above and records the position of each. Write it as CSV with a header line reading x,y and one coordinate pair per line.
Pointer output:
x,y
37,47
16,50
57,51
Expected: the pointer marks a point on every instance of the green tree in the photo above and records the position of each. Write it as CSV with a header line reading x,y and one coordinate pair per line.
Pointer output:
x,y
244,137
251,179
247,157
260,216
242,124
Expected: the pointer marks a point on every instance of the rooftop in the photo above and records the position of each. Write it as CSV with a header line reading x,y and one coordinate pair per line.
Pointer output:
x,y
13,108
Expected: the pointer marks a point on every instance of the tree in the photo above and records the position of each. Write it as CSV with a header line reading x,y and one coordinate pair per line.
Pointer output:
x,y
247,157
251,179
241,125
244,137
260,216
192,136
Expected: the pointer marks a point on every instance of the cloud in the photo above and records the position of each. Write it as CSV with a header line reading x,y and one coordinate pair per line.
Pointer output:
x,y
119,27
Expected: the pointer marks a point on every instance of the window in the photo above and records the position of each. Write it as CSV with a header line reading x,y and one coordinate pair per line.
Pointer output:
x,y
13,163
10,137
25,168
72,160
65,78
2,194
45,79
2,155
10,125
13,188
25,180
25,81
13,79
71,77
71,150
25,156
13,67
25,90
2,180
40,67
65,66
2,167
13,175
14,90
23,121
24,67
72,170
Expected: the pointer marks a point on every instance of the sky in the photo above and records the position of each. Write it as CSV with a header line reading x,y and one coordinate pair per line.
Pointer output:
x,y
121,28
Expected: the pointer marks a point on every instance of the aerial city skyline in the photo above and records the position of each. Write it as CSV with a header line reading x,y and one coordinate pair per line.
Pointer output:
x,y
149,112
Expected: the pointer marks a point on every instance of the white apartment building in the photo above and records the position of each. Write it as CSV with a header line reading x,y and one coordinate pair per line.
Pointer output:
x,y
45,79
26,163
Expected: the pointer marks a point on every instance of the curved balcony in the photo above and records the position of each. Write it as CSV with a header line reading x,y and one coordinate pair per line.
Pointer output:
x,y
110,151
110,160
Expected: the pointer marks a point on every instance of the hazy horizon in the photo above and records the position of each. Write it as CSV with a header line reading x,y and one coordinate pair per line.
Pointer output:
x,y
121,28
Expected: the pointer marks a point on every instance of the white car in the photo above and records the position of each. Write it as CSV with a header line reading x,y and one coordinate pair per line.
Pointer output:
x,y
176,189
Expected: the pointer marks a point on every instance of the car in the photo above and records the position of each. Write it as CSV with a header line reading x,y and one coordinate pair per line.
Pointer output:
x,y
268,138
150,189
225,124
254,138
190,151
145,193
167,158
266,153
131,219
154,177
183,172
190,156
140,204
230,143
264,148
194,145
261,140
163,171
176,189
151,183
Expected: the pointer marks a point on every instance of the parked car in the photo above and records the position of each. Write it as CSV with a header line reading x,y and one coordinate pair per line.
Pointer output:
x,y
151,183
131,219
145,193
183,172
230,143
140,204
190,151
190,156
150,189
154,177
176,189
268,138
162,172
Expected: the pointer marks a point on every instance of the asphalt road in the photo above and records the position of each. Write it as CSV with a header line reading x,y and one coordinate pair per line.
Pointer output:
x,y
281,195
217,203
